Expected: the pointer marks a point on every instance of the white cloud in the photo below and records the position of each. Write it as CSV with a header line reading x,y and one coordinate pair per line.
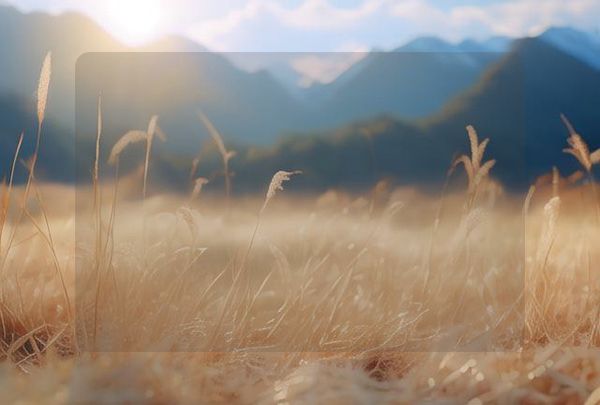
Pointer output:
x,y
208,32
511,18
308,15
324,67
320,14
323,25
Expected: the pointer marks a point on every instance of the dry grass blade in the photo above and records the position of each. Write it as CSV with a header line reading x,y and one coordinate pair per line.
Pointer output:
x,y
567,123
43,84
130,137
580,151
215,135
225,154
528,199
198,184
555,181
98,133
551,213
152,126
4,198
483,172
474,140
578,148
6,192
161,134
194,168
594,398
150,132
277,184
481,150
595,156
466,163
476,171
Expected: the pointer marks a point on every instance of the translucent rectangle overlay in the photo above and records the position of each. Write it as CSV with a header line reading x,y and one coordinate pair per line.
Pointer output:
x,y
186,243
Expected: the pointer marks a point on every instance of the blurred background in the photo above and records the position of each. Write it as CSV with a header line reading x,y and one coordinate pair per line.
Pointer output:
x,y
350,92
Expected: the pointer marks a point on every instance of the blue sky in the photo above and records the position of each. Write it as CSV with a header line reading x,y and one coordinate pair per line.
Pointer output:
x,y
323,25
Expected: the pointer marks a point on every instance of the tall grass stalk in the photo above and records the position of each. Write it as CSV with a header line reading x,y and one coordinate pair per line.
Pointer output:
x,y
275,185
5,207
477,170
150,132
97,209
226,155
579,149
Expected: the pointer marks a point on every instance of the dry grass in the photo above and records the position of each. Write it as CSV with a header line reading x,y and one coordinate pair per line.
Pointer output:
x,y
328,305
333,299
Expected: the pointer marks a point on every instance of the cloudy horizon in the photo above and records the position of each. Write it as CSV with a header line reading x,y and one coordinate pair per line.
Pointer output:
x,y
323,25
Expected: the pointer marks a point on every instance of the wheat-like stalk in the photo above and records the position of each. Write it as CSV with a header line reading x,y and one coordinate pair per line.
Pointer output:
x,y
8,190
97,217
42,98
579,149
150,132
555,181
4,199
528,199
226,155
130,137
475,169
43,84
594,397
215,135
551,213
194,168
277,184
98,133
198,184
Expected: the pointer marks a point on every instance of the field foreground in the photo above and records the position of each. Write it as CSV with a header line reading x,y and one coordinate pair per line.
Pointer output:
x,y
394,296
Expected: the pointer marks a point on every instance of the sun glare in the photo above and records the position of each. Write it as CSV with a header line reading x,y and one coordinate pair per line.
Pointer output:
x,y
134,21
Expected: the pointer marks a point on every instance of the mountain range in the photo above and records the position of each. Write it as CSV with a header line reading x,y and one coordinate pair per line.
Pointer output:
x,y
380,118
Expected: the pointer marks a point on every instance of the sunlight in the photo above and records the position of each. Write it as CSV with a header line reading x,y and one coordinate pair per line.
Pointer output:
x,y
134,21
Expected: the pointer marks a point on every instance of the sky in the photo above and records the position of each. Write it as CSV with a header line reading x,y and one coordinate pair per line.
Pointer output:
x,y
323,25
337,33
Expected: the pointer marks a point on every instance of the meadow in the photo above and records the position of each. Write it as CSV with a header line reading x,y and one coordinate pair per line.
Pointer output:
x,y
113,294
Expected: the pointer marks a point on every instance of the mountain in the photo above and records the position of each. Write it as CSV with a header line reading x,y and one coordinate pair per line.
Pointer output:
x,y
516,103
56,157
391,109
248,107
581,45
24,40
410,82
172,43
280,65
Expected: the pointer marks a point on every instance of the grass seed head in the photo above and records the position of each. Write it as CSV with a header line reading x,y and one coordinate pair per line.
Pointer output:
x,y
128,138
578,148
277,184
43,84
198,184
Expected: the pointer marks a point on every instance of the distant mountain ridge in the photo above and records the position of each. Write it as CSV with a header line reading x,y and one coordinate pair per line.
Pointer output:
x,y
579,44
412,101
428,70
516,104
